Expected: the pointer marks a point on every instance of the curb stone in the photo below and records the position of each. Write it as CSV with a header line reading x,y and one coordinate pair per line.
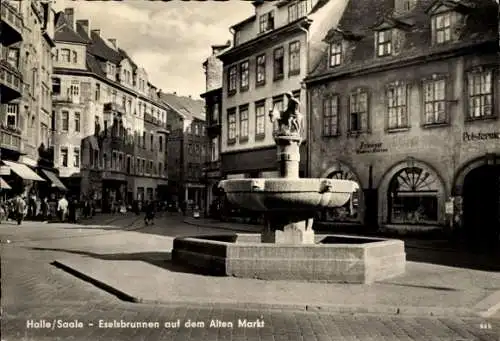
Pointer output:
x,y
326,308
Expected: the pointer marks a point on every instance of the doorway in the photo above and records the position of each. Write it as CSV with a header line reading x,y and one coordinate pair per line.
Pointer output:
x,y
481,203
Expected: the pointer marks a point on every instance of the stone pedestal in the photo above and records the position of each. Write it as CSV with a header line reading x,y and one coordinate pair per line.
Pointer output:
x,y
286,230
288,153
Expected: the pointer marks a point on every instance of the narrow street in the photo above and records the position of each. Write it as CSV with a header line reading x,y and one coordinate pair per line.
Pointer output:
x,y
46,299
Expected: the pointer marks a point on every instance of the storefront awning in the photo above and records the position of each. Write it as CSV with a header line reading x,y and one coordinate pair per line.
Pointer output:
x,y
23,171
54,179
4,185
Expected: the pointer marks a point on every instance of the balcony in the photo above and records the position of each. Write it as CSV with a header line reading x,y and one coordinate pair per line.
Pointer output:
x,y
12,24
214,129
11,138
112,107
65,99
11,82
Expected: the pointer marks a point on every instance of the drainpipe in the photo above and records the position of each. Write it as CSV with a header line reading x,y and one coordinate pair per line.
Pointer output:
x,y
308,112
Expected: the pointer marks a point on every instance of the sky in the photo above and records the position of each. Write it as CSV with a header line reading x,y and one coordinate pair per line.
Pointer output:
x,y
170,39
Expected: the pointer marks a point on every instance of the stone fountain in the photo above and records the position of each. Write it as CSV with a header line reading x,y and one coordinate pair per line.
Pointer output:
x,y
288,248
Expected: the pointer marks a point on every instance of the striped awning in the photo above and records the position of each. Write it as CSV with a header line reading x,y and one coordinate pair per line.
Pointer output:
x,y
23,171
4,184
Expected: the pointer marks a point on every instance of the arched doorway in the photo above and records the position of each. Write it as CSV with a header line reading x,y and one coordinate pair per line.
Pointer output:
x,y
413,197
352,211
481,202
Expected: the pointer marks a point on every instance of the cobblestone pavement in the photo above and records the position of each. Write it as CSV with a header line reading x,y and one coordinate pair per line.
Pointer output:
x,y
37,294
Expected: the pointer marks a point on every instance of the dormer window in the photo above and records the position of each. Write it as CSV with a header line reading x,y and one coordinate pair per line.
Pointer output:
x,y
441,27
384,43
297,10
266,22
335,54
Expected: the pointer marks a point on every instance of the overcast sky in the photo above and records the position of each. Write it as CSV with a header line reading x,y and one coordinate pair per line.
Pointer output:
x,y
169,39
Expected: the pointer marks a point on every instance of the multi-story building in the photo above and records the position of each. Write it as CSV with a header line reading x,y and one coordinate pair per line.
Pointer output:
x,y
405,102
109,124
186,149
26,68
271,54
213,103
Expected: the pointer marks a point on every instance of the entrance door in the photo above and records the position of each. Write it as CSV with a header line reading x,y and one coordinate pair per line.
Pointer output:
x,y
481,202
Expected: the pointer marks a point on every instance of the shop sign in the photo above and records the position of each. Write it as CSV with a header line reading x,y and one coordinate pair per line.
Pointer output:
x,y
494,135
369,148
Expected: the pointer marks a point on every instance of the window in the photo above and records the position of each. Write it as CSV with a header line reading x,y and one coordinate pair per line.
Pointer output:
x,y
160,168
232,78
297,10
143,167
480,94
97,91
358,111
441,28
413,197
244,123
74,90
260,70
349,211
384,43
279,63
244,76
396,106
335,54
56,85
65,57
151,141
65,121
435,101
75,56
331,116
76,157
13,57
408,5
64,156
160,143
260,119
266,22
231,130
77,121
294,57
214,149
215,112
277,105
12,115
144,140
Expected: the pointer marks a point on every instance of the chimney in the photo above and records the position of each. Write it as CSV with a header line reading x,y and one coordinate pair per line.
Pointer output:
x,y
85,25
113,41
69,14
98,32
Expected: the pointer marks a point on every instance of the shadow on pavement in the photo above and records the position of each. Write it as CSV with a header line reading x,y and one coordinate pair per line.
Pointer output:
x,y
159,259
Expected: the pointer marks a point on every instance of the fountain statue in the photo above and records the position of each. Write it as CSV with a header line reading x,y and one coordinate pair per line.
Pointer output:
x,y
288,248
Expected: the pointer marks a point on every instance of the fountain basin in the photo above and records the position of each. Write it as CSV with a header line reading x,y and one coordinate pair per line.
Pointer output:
x,y
332,258
282,194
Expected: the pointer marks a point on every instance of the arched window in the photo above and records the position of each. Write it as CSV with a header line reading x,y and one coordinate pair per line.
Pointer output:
x,y
413,197
349,211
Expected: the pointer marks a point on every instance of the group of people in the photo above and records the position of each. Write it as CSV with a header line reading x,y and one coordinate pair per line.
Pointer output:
x,y
21,207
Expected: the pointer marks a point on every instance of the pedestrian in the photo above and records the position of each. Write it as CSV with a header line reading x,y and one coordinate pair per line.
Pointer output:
x,y
150,213
45,209
62,208
20,207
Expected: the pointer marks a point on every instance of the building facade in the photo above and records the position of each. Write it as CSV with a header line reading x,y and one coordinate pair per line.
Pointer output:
x,y
186,150
271,54
406,104
213,104
109,123
26,68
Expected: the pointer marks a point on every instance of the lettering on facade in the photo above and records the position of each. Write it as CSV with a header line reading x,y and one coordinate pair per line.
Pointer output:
x,y
369,148
495,135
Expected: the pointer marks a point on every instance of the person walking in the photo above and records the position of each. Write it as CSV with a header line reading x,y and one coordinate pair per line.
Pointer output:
x,y
20,207
150,213
62,208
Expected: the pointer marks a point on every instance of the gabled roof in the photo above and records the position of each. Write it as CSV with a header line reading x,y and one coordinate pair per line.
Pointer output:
x,y
100,49
185,106
362,17
64,33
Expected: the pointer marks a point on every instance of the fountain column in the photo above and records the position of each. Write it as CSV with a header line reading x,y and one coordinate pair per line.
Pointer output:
x,y
283,227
